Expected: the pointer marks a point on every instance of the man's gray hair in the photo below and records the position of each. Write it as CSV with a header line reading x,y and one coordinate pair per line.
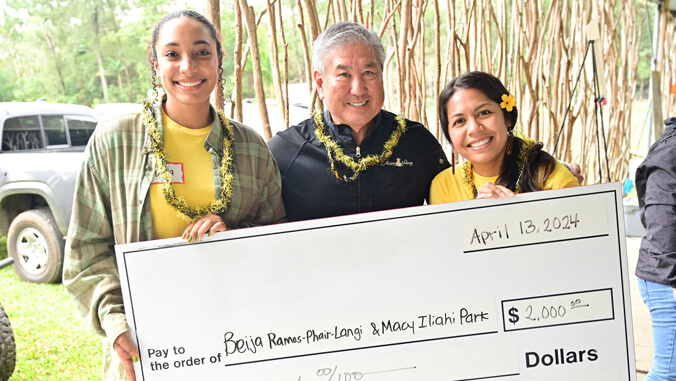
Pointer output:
x,y
342,34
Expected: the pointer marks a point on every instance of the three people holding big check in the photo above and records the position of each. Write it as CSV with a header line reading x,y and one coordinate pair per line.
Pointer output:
x,y
354,157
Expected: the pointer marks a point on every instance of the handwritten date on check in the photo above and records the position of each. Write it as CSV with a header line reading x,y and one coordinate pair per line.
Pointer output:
x,y
530,288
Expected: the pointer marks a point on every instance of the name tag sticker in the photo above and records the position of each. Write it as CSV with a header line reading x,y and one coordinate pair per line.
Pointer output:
x,y
176,171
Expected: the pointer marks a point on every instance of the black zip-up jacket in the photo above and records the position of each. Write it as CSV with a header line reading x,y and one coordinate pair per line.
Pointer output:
x,y
310,190
656,189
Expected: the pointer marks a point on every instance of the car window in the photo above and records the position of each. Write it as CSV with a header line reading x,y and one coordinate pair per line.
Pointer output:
x,y
55,130
80,129
22,133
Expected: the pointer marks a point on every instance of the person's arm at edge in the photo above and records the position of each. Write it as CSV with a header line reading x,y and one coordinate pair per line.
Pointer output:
x,y
270,208
90,271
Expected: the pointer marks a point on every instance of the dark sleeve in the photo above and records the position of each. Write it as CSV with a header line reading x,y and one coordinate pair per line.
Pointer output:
x,y
640,181
436,159
657,185
433,146
285,147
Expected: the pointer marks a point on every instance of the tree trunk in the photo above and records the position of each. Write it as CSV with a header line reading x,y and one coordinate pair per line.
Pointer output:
x,y
57,64
274,62
258,72
213,14
99,55
239,66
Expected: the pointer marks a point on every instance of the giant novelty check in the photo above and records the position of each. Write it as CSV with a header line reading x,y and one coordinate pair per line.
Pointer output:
x,y
530,288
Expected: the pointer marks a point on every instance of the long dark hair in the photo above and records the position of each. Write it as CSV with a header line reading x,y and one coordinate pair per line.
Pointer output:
x,y
152,53
538,164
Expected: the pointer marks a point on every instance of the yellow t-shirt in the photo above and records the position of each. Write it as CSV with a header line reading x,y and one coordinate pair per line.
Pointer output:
x,y
191,168
447,187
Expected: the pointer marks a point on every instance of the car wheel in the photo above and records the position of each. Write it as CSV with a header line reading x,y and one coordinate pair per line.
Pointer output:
x,y
36,244
7,348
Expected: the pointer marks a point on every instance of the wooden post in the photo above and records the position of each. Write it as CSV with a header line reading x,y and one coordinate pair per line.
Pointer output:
x,y
274,62
663,29
403,54
257,70
213,14
658,119
239,67
656,75
306,48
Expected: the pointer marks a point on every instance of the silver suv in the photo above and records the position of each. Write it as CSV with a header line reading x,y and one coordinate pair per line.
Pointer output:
x,y
41,151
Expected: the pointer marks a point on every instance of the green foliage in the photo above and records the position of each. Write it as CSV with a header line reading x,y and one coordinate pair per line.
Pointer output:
x,y
60,49
7,86
3,248
645,53
52,342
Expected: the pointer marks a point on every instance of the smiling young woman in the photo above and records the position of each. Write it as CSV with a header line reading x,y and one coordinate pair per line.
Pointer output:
x,y
178,168
187,59
478,116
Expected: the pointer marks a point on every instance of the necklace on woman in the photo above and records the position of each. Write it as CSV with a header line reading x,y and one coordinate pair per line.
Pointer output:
x,y
224,170
468,170
335,153
468,178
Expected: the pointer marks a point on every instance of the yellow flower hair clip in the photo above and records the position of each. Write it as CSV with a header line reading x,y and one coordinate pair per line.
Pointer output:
x,y
508,102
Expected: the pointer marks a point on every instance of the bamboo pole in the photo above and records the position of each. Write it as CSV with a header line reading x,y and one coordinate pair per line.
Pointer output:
x,y
285,63
306,49
403,60
437,61
274,62
213,14
239,67
258,72
313,18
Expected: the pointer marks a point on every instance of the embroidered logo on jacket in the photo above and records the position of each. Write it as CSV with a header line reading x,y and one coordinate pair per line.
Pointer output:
x,y
399,163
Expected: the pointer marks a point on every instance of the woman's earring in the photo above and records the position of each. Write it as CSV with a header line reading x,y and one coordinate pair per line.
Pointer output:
x,y
452,159
156,92
510,139
159,90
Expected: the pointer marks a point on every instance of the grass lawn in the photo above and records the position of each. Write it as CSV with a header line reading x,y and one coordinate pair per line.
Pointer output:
x,y
52,342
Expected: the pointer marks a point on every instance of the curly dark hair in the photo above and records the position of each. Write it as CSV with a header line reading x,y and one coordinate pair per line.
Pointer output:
x,y
538,164
152,53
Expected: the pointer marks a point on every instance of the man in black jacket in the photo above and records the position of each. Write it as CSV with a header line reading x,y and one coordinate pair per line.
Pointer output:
x,y
354,157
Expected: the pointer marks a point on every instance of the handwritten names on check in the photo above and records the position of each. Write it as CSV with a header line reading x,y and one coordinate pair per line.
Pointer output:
x,y
241,346
540,222
392,328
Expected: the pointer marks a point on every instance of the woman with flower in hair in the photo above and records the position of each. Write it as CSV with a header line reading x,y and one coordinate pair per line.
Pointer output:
x,y
178,168
478,116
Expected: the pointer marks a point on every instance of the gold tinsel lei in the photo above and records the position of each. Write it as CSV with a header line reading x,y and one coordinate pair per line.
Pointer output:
x,y
335,153
224,170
